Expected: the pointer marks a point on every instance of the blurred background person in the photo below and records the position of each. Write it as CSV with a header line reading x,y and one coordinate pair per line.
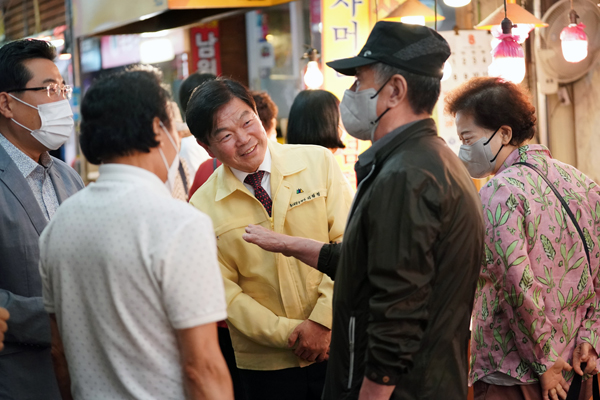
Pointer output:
x,y
130,275
4,315
315,119
536,301
183,179
267,112
191,151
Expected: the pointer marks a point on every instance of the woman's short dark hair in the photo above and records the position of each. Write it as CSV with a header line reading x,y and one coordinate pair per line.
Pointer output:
x,y
267,110
13,73
189,84
208,99
118,111
493,102
315,119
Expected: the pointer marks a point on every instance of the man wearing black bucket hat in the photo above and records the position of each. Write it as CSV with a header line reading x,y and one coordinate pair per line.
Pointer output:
x,y
412,249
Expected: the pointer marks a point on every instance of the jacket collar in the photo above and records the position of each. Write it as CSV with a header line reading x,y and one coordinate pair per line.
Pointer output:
x,y
282,165
379,153
16,183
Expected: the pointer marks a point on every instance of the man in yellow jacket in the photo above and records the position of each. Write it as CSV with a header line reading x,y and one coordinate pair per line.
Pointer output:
x,y
279,309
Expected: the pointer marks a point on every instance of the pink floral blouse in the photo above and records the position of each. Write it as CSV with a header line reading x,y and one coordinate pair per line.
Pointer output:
x,y
535,300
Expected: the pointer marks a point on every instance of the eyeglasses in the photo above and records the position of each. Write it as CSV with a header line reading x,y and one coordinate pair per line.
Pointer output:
x,y
53,90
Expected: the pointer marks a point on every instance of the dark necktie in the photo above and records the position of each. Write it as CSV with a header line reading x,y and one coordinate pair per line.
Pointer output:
x,y
260,193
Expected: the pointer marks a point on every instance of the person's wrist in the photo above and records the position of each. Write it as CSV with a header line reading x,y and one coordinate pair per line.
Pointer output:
x,y
285,246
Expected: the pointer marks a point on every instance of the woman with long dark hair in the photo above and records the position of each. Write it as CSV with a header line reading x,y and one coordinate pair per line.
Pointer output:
x,y
315,119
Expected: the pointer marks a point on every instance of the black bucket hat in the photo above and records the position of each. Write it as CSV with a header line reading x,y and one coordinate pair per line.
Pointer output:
x,y
412,48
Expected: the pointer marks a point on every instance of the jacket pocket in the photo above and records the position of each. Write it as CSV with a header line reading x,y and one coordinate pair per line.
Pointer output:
x,y
351,334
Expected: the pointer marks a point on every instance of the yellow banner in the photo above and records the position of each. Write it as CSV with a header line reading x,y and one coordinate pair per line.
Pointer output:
x,y
346,27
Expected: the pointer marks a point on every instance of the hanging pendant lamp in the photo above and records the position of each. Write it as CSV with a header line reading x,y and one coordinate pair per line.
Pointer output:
x,y
574,42
413,12
523,22
508,55
517,15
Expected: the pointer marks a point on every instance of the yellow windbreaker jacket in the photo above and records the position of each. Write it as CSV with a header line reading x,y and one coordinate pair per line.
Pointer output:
x,y
268,294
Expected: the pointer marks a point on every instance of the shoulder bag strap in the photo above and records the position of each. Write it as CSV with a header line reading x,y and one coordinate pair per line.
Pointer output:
x,y
576,384
183,179
567,209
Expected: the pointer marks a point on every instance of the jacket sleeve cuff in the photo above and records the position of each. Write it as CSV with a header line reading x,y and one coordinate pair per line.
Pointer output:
x,y
328,259
322,314
381,375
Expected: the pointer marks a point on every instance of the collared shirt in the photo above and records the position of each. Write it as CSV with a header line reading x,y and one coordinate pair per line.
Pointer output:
x,y
266,180
36,176
123,266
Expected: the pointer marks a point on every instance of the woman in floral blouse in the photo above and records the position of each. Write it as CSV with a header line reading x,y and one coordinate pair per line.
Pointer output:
x,y
536,309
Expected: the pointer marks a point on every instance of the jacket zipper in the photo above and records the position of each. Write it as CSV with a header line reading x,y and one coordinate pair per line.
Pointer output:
x,y
351,325
356,195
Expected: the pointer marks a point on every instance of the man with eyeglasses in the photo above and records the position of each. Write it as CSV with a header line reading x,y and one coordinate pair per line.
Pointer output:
x,y
35,117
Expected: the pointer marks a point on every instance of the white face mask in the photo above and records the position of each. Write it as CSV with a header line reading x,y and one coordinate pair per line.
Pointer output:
x,y
172,170
57,123
478,157
359,112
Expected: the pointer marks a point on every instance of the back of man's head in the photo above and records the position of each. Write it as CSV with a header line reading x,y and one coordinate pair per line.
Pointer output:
x,y
189,84
118,112
13,72
208,99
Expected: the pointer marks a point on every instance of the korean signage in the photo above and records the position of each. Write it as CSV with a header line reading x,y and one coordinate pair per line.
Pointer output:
x,y
470,58
346,27
205,48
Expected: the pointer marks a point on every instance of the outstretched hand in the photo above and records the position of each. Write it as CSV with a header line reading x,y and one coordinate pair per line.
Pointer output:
x,y
265,238
554,385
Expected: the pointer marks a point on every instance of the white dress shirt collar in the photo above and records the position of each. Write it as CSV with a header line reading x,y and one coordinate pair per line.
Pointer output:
x,y
265,166
266,181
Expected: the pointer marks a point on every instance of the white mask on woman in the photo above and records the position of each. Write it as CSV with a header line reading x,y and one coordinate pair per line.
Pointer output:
x,y
172,170
57,123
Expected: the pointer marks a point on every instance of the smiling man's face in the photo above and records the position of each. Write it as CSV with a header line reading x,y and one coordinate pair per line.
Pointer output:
x,y
239,140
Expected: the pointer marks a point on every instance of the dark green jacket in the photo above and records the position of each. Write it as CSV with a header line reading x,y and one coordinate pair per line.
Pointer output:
x,y
407,271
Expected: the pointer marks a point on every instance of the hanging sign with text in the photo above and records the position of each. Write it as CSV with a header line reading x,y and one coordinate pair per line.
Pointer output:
x,y
205,49
346,27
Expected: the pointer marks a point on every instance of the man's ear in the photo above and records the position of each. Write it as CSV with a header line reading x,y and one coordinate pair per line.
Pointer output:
x,y
506,132
206,147
399,90
5,105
